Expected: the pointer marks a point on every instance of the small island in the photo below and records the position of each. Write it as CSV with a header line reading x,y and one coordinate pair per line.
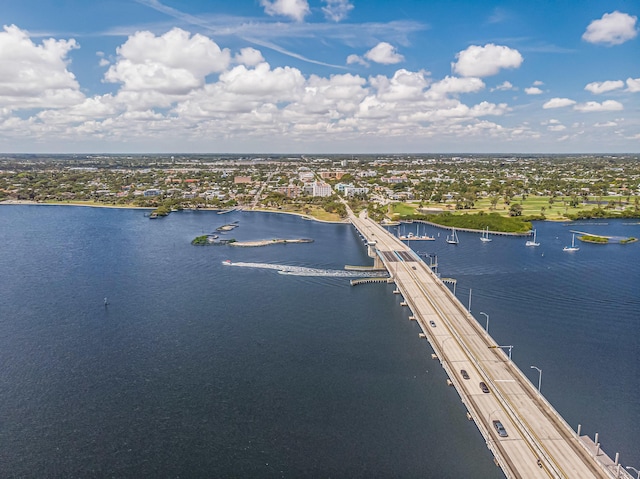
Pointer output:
x,y
211,239
596,239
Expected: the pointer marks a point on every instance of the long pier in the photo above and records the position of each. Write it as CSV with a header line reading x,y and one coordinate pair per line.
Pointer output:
x,y
539,442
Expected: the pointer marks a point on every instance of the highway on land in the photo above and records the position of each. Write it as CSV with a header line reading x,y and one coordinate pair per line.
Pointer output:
x,y
540,443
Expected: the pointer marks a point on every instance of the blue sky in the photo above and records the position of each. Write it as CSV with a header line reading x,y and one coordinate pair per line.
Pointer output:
x,y
320,76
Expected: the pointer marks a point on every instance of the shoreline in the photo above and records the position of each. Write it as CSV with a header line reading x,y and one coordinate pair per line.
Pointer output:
x,y
130,207
85,205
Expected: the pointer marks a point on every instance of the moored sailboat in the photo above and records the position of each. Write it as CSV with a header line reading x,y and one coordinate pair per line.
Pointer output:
x,y
532,242
453,237
485,236
573,246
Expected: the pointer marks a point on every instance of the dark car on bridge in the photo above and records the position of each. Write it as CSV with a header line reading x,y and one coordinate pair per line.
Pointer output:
x,y
484,387
464,373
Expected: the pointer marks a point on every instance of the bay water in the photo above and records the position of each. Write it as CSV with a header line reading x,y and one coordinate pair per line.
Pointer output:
x,y
199,369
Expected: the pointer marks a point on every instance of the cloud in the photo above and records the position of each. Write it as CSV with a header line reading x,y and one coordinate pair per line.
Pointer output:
x,y
602,87
353,58
181,88
295,9
262,80
404,85
538,83
504,86
558,103
633,84
384,53
485,61
337,10
594,106
612,29
457,85
534,90
607,124
249,56
35,76
174,63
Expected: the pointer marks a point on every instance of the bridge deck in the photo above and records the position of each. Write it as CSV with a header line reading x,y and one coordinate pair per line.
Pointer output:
x,y
539,442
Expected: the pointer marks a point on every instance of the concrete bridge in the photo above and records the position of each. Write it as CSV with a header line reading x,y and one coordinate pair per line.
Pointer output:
x,y
539,443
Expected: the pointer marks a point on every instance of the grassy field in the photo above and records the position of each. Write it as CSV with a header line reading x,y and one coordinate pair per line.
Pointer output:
x,y
309,210
531,206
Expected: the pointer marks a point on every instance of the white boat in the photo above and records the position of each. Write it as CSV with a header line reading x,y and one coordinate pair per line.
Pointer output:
x,y
453,237
485,236
573,246
418,237
532,242
425,238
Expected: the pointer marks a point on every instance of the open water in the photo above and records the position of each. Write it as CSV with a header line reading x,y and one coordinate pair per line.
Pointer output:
x,y
197,369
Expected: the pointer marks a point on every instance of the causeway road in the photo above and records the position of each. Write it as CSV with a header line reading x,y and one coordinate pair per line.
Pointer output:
x,y
539,442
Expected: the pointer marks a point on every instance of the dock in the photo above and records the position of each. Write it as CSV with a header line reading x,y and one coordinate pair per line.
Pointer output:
x,y
355,282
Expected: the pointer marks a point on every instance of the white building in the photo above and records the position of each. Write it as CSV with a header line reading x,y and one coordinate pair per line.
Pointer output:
x,y
318,188
354,190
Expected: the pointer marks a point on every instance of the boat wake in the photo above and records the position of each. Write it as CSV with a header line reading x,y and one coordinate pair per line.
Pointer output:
x,y
303,271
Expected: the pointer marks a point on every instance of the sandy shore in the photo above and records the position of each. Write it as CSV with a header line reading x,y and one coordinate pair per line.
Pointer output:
x,y
268,242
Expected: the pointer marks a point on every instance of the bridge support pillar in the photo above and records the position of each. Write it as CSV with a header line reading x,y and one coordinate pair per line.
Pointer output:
x,y
372,252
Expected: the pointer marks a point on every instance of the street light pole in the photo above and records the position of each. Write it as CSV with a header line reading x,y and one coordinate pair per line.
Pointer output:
x,y
487,327
502,347
636,470
539,376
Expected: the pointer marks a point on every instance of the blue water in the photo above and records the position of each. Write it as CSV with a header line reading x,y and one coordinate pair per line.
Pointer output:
x,y
196,369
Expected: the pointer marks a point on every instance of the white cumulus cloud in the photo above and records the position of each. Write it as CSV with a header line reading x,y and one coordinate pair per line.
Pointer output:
x,y
249,56
534,90
403,86
457,85
558,103
295,9
174,63
602,87
504,86
33,75
337,10
485,61
633,84
263,81
590,106
384,53
612,29
353,58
